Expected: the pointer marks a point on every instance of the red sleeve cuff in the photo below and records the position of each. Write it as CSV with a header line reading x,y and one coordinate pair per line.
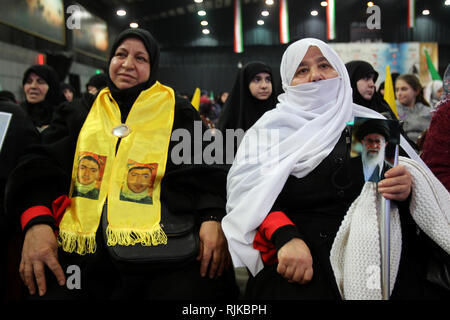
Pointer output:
x,y
59,206
272,222
32,213
261,242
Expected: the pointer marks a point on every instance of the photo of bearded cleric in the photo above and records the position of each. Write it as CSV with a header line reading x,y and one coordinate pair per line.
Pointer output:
x,y
89,175
374,141
138,186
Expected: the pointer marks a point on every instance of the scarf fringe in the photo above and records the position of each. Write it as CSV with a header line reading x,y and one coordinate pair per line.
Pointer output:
x,y
127,237
79,243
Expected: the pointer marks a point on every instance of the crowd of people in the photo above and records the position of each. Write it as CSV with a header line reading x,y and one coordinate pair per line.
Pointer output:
x,y
90,180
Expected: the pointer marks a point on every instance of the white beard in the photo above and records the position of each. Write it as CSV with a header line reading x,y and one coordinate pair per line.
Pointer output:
x,y
370,161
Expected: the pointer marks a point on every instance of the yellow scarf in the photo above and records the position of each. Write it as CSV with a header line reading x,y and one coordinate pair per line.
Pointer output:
x,y
129,222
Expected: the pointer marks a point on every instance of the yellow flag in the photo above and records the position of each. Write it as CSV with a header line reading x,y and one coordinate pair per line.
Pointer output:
x,y
389,95
196,99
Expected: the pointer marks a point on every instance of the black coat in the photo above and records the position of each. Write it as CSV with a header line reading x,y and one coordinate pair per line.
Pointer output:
x,y
20,135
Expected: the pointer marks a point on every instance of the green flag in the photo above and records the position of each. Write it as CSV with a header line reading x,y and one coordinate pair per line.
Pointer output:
x,y
433,73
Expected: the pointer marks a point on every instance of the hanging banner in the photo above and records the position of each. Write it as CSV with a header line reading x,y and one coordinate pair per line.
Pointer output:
x,y
331,20
411,13
238,41
284,22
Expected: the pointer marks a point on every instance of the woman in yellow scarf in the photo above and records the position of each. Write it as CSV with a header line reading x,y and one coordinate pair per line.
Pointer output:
x,y
130,124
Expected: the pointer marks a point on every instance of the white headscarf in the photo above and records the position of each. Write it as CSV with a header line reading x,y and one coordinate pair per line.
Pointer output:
x,y
309,120
430,92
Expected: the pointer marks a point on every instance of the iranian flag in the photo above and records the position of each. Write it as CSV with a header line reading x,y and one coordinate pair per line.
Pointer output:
x,y
284,22
411,14
238,41
331,20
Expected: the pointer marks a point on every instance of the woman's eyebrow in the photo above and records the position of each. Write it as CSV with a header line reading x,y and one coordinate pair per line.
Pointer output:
x,y
321,58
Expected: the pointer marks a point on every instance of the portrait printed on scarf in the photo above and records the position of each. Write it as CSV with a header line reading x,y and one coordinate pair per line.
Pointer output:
x,y
374,141
139,181
90,170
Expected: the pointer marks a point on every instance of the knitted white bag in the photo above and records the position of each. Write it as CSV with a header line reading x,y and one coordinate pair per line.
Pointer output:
x,y
355,256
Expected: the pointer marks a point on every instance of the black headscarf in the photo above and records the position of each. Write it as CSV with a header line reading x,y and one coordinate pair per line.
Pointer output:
x,y
41,112
98,80
126,97
358,70
242,109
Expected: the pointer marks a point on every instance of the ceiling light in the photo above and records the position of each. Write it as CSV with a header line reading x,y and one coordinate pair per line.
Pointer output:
x,y
198,1
426,12
121,13
314,13
260,22
204,23
370,4
324,3
202,13
270,2
447,2
134,25
265,13
206,31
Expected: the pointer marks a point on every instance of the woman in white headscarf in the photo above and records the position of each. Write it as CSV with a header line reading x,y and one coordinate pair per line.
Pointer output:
x,y
287,197
432,92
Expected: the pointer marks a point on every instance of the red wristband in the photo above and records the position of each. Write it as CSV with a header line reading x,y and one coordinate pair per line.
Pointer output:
x,y
33,212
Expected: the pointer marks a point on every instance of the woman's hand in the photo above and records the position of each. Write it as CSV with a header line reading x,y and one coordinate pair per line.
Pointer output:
x,y
40,249
397,184
295,261
213,251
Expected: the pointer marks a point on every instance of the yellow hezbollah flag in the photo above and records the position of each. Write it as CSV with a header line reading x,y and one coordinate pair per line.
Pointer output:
x,y
389,95
196,99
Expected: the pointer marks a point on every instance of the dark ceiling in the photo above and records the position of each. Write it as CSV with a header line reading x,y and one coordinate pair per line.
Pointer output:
x,y
175,23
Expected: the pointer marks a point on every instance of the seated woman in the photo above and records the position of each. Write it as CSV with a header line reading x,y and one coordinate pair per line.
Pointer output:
x,y
412,108
285,212
130,121
42,94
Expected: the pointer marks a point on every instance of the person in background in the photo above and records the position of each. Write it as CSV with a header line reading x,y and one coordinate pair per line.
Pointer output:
x,y
381,89
20,135
412,108
42,94
78,108
218,105
362,78
68,91
206,111
7,96
433,92
96,83
252,95
436,148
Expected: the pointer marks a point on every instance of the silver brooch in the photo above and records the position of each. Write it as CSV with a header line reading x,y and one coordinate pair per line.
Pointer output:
x,y
121,131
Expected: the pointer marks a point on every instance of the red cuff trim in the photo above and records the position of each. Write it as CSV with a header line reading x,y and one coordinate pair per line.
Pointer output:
x,y
272,222
59,206
32,213
261,242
